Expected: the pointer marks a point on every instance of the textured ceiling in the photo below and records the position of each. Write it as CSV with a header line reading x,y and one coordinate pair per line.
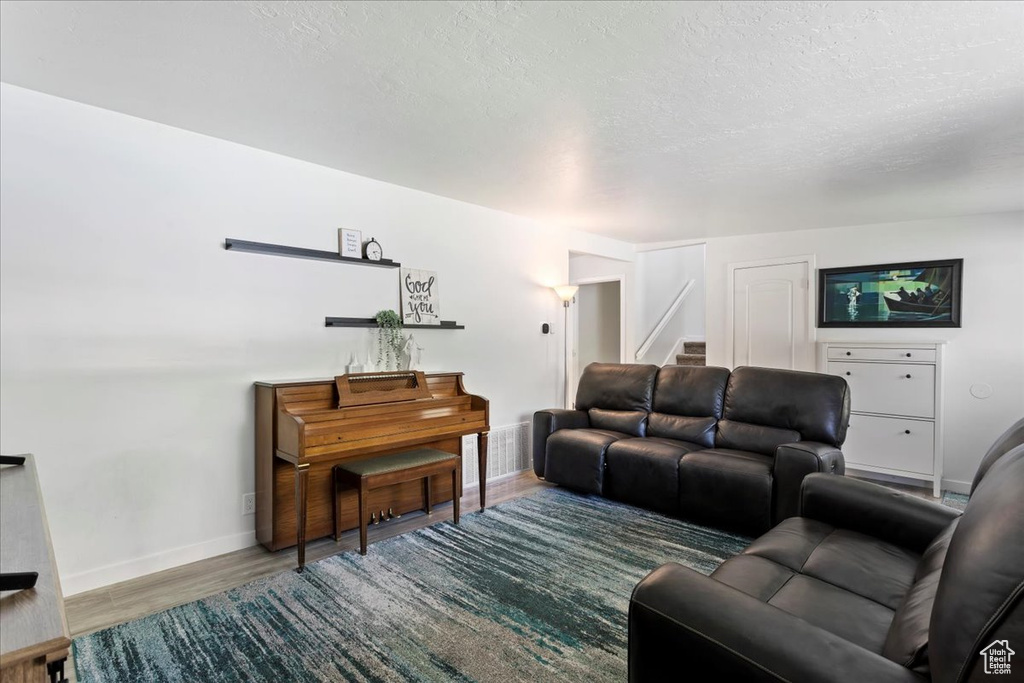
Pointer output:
x,y
642,121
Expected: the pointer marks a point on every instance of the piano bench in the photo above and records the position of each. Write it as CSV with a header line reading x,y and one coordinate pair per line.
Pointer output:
x,y
387,470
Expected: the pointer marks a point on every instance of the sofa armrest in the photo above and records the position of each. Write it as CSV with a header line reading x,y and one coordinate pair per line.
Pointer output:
x,y
546,423
793,462
877,511
686,625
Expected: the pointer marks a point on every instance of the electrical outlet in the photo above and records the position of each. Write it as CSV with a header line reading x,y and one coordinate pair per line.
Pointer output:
x,y
248,503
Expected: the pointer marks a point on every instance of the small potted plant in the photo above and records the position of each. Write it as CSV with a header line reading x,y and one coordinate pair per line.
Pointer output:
x,y
389,339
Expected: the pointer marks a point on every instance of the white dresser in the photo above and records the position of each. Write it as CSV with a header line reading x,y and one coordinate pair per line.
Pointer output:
x,y
896,406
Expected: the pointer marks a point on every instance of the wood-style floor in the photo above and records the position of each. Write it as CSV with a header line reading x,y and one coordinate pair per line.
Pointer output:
x,y
111,605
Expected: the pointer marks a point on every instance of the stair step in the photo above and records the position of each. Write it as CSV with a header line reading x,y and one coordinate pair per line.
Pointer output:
x,y
691,359
695,347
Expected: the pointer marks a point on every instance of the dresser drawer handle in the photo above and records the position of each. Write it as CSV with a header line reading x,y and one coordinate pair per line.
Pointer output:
x,y
848,353
847,373
908,355
907,431
908,376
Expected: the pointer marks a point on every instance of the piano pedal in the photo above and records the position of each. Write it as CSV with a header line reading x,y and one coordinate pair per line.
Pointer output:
x,y
392,515
382,517
373,519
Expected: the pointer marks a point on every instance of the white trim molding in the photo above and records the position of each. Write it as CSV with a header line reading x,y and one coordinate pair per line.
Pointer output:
x,y
150,564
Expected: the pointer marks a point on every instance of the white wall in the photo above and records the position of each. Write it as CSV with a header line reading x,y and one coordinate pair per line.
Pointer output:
x,y
989,348
131,337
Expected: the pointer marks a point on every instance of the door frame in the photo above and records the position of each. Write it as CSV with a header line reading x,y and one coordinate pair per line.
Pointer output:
x,y
572,362
731,268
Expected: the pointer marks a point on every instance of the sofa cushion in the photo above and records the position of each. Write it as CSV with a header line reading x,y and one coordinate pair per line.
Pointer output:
x,y
752,437
791,542
626,421
815,406
871,568
935,555
616,386
907,640
861,564
700,430
575,458
690,391
839,580
756,576
847,615
840,612
727,489
645,471
980,598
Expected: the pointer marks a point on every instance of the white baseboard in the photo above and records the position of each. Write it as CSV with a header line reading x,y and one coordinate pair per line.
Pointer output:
x,y
947,484
502,477
956,486
168,559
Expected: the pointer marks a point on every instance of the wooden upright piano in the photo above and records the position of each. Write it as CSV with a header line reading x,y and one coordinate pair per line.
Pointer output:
x,y
301,433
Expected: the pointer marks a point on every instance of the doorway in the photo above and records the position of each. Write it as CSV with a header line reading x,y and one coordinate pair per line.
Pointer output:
x,y
771,314
598,329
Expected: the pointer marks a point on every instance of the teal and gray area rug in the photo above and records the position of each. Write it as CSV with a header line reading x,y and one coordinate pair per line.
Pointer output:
x,y
957,501
534,589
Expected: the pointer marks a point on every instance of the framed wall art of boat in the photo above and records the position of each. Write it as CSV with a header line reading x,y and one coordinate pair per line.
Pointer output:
x,y
917,294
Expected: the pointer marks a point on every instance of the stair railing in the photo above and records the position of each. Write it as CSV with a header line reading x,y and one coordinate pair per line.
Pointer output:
x,y
677,348
663,322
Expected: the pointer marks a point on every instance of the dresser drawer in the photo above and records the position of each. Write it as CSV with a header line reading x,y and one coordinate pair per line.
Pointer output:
x,y
892,443
889,388
907,355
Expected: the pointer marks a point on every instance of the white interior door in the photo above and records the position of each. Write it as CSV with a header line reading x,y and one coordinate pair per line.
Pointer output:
x,y
771,316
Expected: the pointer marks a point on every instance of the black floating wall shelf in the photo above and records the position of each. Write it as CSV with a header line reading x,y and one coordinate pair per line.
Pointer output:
x,y
370,322
301,252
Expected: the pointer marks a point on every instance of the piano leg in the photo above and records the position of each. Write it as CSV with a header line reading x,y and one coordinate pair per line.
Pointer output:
x,y
481,457
364,514
456,478
301,486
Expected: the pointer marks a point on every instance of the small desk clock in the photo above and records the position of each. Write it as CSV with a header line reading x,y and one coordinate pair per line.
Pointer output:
x,y
372,250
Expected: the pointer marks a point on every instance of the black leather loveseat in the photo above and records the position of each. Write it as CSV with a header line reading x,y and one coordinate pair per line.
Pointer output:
x,y
725,449
867,584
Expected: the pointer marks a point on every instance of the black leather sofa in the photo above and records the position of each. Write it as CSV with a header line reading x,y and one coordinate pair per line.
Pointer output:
x,y
867,584
725,449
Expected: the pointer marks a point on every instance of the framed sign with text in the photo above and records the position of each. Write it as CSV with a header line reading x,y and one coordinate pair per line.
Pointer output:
x,y
420,301
350,243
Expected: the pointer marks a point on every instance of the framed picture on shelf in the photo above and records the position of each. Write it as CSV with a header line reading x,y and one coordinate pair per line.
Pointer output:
x,y
915,294
350,243
421,304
